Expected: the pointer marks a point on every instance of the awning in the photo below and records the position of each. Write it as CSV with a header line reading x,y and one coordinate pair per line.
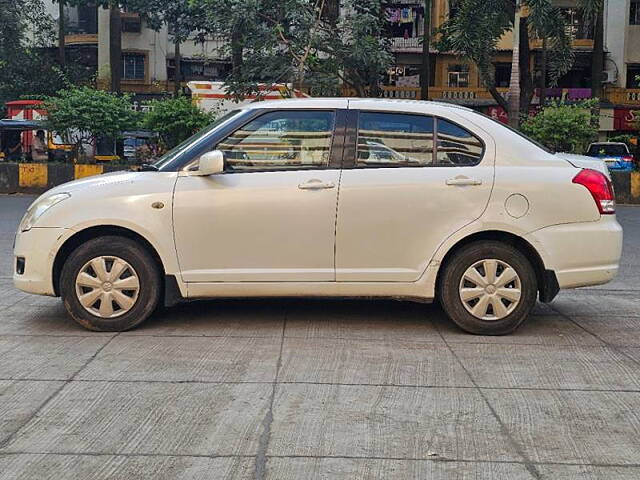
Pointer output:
x,y
8,124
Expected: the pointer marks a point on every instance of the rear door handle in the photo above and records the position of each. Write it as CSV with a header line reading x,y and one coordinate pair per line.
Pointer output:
x,y
463,181
315,184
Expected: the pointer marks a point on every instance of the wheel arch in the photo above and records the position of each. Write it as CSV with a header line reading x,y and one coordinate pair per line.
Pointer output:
x,y
92,232
547,282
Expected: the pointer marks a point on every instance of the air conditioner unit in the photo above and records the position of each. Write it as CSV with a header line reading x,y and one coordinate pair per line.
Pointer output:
x,y
609,76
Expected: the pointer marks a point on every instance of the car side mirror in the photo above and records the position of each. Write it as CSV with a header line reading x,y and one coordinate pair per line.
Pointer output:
x,y
211,163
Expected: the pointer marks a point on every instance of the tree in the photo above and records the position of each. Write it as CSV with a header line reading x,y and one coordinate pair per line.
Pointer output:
x,y
593,14
478,26
563,128
354,50
425,67
61,34
300,40
26,31
176,119
514,82
81,115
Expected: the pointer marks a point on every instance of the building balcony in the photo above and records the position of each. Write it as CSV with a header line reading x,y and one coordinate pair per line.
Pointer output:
x,y
455,94
470,95
406,45
577,43
81,39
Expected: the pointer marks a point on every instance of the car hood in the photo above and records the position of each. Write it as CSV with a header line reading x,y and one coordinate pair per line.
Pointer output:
x,y
583,161
99,181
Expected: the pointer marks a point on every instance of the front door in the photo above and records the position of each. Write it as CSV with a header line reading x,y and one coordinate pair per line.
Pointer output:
x,y
271,215
409,182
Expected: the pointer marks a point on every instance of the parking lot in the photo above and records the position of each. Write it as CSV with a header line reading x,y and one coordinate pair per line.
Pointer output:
x,y
310,389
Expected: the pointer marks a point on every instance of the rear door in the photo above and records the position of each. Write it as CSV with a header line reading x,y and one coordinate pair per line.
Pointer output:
x,y
410,180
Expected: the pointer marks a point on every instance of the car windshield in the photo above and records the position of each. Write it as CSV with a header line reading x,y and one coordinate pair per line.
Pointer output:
x,y
174,152
607,150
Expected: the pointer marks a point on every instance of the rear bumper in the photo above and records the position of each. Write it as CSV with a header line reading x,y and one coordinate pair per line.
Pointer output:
x,y
580,254
38,247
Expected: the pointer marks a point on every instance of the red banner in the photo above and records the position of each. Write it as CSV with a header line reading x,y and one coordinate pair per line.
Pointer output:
x,y
498,113
625,118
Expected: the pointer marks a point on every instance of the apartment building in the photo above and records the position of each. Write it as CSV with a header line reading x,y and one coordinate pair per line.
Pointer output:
x,y
622,65
456,79
148,67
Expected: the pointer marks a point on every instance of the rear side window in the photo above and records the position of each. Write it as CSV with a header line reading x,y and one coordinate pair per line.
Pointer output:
x,y
405,140
457,147
386,139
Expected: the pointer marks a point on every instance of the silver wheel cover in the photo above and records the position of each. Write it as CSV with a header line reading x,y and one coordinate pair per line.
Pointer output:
x,y
490,289
107,286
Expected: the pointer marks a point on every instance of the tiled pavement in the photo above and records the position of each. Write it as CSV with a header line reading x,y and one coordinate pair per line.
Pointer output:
x,y
322,389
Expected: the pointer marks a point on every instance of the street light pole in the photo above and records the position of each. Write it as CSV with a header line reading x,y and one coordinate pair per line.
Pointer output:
x,y
514,84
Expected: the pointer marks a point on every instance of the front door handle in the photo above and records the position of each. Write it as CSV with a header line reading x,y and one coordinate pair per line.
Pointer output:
x,y
315,184
461,180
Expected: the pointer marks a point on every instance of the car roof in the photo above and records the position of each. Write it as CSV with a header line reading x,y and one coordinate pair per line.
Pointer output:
x,y
344,102
12,124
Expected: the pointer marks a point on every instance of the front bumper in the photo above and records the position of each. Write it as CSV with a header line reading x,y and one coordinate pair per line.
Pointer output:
x,y
580,254
38,247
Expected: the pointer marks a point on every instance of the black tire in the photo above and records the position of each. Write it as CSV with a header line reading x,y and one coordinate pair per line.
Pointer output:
x,y
455,268
135,255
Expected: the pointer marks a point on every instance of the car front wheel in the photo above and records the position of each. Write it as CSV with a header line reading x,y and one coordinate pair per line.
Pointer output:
x,y
488,288
110,284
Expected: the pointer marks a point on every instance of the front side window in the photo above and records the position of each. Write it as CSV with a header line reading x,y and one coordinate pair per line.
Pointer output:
x,y
284,140
406,140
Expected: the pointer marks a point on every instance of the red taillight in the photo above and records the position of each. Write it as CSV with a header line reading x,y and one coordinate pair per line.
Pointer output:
x,y
627,158
600,188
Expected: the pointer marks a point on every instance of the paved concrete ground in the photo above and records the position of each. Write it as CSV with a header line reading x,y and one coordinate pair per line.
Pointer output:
x,y
310,389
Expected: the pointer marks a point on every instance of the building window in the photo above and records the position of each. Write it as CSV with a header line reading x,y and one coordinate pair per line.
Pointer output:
x,y
453,8
405,21
502,74
634,14
458,75
633,76
133,66
575,25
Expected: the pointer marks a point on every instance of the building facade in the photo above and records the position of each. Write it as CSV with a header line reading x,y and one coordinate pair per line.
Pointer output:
x,y
148,66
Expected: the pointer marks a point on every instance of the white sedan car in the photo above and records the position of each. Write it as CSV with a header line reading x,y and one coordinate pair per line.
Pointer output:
x,y
287,198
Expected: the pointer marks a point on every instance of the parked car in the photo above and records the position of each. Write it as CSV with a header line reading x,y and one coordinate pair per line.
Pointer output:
x,y
615,154
466,211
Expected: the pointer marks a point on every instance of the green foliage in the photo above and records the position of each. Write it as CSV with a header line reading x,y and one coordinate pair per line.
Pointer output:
x,y
355,50
298,41
82,114
478,25
564,128
25,66
176,119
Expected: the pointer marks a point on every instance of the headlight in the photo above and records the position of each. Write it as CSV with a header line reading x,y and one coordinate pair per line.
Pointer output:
x,y
38,208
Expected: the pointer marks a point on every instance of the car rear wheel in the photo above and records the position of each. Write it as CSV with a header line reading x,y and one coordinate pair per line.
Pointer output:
x,y
110,284
488,288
